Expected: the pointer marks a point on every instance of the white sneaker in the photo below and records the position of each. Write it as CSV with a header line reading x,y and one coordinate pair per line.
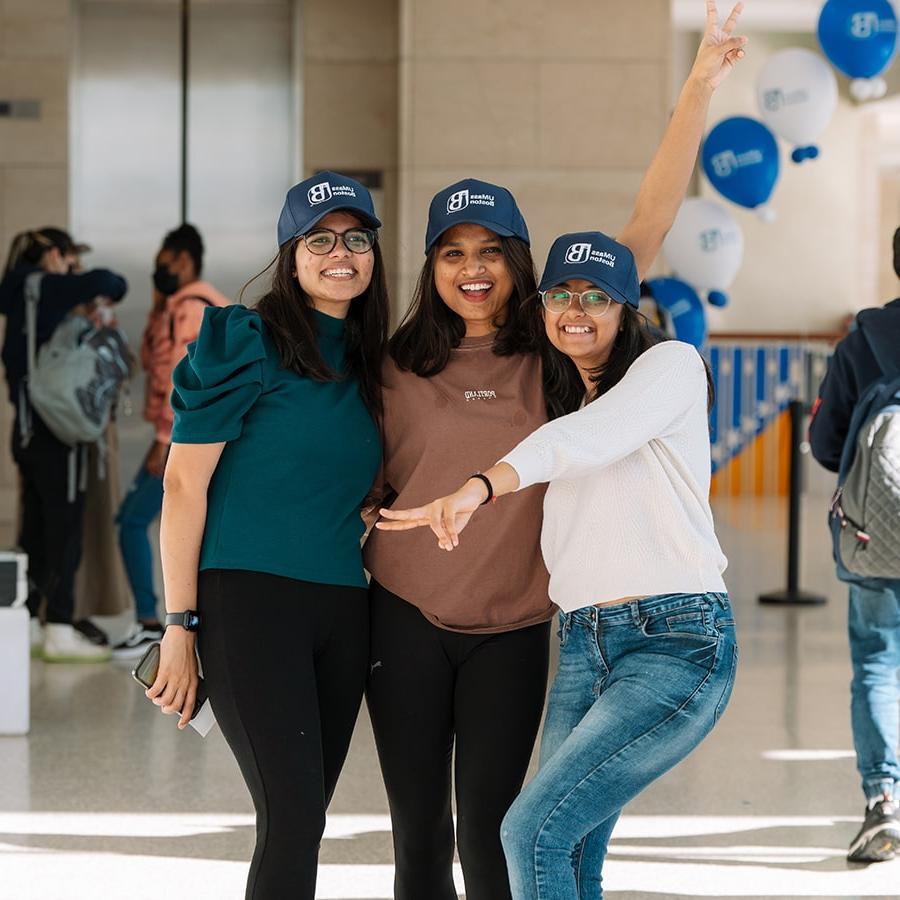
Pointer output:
x,y
62,643
37,637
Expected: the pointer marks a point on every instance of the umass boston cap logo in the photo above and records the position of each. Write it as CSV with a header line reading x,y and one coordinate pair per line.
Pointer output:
x,y
582,253
463,199
321,193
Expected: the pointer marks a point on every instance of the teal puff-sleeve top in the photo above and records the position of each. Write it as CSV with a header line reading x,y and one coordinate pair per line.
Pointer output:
x,y
299,456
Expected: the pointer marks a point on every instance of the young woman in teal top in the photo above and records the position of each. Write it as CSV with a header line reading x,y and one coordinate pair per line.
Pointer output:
x,y
274,449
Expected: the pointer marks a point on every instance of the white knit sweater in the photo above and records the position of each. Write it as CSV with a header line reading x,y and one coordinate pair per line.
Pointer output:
x,y
627,511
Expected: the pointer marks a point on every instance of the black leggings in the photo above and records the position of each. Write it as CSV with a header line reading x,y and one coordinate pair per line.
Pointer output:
x,y
285,663
51,525
427,686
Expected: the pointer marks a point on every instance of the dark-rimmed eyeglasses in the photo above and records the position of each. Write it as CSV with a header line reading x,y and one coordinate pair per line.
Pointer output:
x,y
323,240
594,303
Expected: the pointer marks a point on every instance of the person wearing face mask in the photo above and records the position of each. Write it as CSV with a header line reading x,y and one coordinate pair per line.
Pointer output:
x,y
51,527
274,449
460,642
179,300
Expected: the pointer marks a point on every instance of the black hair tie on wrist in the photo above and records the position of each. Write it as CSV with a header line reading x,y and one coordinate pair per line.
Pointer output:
x,y
487,482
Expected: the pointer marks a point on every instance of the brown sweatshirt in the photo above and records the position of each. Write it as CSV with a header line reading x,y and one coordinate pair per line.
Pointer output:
x,y
437,432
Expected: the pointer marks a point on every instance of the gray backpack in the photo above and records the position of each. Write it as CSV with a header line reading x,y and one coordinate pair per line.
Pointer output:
x,y
74,379
865,509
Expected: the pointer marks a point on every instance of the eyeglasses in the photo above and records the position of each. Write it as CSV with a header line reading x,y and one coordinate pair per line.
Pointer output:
x,y
594,303
324,240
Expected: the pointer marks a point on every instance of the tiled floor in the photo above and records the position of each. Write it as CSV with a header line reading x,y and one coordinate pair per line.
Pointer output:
x,y
106,799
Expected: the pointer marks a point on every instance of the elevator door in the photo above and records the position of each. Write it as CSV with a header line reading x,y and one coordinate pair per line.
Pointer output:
x,y
126,138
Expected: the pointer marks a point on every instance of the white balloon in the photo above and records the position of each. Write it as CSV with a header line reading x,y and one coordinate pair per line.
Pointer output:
x,y
705,246
798,95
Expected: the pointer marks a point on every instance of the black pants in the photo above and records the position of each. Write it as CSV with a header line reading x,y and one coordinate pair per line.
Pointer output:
x,y
285,664
51,526
427,686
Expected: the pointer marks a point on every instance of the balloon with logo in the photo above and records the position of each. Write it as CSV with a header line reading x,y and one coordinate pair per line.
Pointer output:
x,y
683,307
860,39
740,158
798,95
705,247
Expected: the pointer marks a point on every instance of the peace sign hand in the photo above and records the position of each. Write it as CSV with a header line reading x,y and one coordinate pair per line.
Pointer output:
x,y
719,50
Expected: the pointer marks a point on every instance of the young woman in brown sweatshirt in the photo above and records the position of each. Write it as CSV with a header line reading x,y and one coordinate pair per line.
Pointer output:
x,y
459,646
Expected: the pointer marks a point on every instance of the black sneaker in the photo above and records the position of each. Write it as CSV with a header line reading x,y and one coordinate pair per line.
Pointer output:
x,y
94,634
879,838
137,641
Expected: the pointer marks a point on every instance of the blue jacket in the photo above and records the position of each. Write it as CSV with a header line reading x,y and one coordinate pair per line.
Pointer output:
x,y
59,295
852,369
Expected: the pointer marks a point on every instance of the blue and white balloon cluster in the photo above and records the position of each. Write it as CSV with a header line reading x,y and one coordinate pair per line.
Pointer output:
x,y
797,94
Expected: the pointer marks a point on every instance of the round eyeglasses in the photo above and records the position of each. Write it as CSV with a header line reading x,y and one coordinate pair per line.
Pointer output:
x,y
594,303
323,240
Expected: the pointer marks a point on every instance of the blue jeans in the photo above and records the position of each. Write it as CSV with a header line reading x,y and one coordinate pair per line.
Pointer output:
x,y
639,686
140,507
874,627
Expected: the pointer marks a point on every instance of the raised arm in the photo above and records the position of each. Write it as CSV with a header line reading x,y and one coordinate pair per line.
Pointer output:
x,y
666,181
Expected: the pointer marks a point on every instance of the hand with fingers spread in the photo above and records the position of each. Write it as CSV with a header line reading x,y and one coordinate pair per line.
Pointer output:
x,y
175,689
720,50
446,516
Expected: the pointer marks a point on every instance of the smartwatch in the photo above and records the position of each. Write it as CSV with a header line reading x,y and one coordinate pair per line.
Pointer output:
x,y
189,620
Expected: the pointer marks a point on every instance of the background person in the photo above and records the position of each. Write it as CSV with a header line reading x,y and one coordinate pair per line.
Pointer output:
x,y
274,449
52,520
179,301
874,610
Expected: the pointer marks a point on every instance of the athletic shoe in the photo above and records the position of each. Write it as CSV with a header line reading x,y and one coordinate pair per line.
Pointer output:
x,y
879,838
37,637
137,641
63,643
89,630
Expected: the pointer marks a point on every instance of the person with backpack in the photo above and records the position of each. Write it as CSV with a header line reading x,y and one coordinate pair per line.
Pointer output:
x,y
855,431
179,300
41,275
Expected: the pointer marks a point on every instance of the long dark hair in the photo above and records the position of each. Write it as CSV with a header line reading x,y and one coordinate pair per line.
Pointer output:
x,y
635,336
287,310
430,330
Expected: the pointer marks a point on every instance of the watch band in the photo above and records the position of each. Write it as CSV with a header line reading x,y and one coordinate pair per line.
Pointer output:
x,y
189,619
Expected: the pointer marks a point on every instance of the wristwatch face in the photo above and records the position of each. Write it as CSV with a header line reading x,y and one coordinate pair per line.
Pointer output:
x,y
191,621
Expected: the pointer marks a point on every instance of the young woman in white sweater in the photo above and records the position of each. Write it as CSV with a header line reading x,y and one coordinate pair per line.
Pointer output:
x,y
648,653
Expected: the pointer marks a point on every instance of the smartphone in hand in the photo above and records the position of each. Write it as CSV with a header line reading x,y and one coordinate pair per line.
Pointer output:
x,y
144,673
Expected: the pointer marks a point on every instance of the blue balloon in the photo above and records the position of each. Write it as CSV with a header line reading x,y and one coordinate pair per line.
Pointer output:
x,y
684,306
858,36
740,158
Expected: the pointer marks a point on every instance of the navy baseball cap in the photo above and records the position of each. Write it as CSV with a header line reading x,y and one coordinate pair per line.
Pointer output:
x,y
596,258
311,200
474,202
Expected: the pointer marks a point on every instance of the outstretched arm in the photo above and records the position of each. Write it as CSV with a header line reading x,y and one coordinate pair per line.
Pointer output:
x,y
666,181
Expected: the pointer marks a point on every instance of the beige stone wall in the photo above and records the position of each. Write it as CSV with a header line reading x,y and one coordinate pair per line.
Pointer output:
x,y
349,91
34,65
564,103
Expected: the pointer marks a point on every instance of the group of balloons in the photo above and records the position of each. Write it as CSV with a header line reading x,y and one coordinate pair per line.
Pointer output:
x,y
797,94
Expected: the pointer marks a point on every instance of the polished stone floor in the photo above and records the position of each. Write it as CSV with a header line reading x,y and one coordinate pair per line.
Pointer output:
x,y
106,799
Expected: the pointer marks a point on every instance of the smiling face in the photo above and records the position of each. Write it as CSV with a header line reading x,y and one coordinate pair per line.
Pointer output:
x,y
586,340
472,277
332,281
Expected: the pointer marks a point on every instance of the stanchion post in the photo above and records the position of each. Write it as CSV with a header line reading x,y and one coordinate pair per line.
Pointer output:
x,y
793,596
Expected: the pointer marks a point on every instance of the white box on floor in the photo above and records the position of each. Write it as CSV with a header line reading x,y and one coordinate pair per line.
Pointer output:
x,y
15,670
